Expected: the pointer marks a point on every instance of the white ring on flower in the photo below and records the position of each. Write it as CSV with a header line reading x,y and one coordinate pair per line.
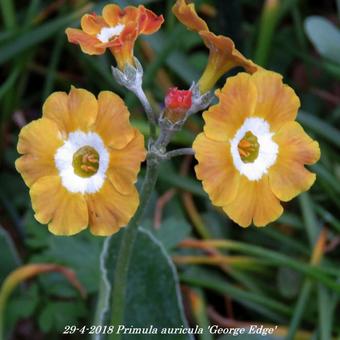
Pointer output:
x,y
106,33
64,159
268,149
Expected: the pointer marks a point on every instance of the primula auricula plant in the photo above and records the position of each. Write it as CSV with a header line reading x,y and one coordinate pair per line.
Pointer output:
x,y
82,158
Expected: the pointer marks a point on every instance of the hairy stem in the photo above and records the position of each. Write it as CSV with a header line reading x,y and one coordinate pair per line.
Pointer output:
x,y
179,152
149,112
131,79
127,244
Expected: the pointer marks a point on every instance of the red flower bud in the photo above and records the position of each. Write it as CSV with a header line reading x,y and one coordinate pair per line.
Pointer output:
x,y
177,102
178,99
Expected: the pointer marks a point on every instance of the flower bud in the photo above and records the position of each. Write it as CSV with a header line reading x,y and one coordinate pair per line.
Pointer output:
x,y
177,103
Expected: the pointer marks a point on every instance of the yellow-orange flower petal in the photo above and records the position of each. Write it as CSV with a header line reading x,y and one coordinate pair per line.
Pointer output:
x,y
66,213
125,164
38,142
111,14
237,100
213,156
112,122
254,202
276,102
288,177
56,109
89,44
188,16
76,111
150,22
92,24
105,209
83,109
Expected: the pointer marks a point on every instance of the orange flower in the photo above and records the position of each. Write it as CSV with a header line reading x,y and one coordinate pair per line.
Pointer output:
x,y
252,153
80,161
223,55
117,29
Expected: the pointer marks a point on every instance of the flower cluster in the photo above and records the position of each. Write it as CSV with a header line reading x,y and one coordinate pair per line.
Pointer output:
x,y
85,154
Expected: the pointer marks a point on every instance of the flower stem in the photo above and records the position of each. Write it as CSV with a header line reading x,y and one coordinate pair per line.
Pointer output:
x,y
127,244
179,152
157,154
149,112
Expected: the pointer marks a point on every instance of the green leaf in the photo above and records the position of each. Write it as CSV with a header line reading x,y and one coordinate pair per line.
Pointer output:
x,y
9,83
8,13
35,36
289,282
37,235
325,37
22,305
325,313
153,296
198,60
218,225
12,186
308,212
176,61
80,253
323,129
199,311
182,182
56,315
8,254
302,302
261,303
171,232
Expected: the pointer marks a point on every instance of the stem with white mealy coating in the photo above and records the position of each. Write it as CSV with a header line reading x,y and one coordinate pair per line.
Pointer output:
x,y
127,244
156,154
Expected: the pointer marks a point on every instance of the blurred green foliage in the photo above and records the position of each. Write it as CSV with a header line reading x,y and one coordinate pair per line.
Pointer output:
x,y
278,286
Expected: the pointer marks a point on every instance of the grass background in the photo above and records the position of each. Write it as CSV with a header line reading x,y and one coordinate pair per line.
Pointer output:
x,y
286,274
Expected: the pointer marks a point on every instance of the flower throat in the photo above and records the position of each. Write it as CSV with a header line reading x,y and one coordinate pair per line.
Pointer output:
x,y
248,147
85,161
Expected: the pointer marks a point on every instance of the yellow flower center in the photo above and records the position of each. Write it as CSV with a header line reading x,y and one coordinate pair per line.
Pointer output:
x,y
248,147
85,161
